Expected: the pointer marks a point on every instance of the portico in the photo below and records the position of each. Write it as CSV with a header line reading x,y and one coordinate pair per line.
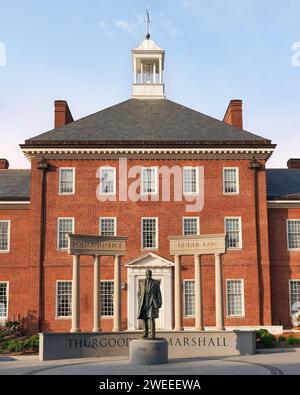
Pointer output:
x,y
197,246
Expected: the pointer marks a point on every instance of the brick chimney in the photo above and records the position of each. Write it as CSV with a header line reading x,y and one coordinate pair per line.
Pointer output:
x,y
4,164
62,114
234,114
293,163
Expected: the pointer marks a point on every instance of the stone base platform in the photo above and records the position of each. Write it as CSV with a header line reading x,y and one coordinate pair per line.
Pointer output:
x,y
184,344
148,352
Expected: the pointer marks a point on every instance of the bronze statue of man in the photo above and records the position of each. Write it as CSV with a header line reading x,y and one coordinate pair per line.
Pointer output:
x,y
149,298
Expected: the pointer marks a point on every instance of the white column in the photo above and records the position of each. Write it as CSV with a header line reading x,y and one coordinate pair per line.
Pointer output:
x,y
160,71
117,295
198,295
154,73
134,69
76,295
178,295
219,293
97,301
142,73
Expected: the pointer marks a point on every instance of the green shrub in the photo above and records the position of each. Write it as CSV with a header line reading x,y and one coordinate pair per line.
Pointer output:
x,y
293,340
260,333
14,327
15,345
281,338
32,342
3,333
267,340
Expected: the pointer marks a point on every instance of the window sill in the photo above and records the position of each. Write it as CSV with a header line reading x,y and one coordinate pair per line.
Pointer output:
x,y
150,194
63,318
190,193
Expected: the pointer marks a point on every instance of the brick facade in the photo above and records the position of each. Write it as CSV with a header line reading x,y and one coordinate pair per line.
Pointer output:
x,y
285,265
21,265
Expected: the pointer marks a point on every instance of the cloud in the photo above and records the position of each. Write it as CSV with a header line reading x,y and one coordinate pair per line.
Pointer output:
x,y
125,25
140,18
134,28
2,54
172,29
105,27
187,3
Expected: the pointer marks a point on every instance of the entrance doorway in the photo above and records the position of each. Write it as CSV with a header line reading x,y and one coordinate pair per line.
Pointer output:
x,y
161,271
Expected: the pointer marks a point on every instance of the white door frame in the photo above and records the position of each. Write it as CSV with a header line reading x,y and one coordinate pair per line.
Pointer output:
x,y
161,269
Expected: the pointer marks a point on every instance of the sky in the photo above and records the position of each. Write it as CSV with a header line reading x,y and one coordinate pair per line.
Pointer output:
x,y
79,51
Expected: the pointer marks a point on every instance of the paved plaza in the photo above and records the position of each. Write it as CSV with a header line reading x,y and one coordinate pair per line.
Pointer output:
x,y
287,363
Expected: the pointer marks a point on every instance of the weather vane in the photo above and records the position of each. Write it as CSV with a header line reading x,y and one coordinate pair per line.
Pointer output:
x,y
148,21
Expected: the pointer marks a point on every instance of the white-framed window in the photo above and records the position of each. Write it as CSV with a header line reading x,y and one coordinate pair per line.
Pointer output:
x,y
149,181
4,236
66,180
64,227
190,226
233,229
149,233
190,180
231,180
108,226
235,298
3,300
293,234
294,288
107,298
63,299
148,73
189,298
108,180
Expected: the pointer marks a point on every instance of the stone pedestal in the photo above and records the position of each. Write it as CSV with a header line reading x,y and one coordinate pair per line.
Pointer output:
x,y
148,352
187,344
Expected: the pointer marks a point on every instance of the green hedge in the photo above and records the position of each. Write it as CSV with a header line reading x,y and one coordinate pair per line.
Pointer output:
x,y
15,345
293,340
265,338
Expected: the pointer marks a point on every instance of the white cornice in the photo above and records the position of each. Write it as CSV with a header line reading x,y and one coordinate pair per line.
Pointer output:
x,y
283,203
15,202
32,152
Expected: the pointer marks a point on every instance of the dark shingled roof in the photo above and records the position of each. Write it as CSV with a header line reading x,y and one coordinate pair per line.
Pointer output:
x,y
15,185
283,184
147,121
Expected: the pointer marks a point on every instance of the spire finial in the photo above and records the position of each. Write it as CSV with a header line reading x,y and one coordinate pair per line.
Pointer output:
x,y
147,21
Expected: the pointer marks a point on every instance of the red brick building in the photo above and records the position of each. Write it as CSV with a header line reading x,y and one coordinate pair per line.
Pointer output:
x,y
79,171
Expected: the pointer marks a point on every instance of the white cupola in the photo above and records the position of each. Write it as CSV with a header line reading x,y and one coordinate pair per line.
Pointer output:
x,y
148,65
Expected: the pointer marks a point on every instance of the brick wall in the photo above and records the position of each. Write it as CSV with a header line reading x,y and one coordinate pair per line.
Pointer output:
x,y
86,209
285,265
